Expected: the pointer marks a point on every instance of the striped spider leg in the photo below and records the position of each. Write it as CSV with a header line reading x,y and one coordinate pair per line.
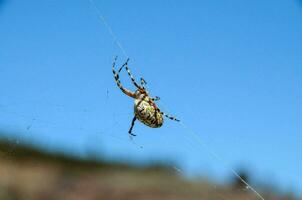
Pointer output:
x,y
156,98
143,82
170,117
118,82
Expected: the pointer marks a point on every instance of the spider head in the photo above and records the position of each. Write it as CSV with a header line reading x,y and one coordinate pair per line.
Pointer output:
x,y
141,92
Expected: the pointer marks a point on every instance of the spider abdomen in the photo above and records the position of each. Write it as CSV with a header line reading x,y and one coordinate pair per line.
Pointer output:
x,y
147,113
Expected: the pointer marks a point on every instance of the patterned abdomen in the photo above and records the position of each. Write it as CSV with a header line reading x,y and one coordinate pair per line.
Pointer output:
x,y
148,114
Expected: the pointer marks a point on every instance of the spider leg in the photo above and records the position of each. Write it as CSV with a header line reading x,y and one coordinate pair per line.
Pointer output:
x,y
170,117
123,65
131,77
132,124
129,73
143,82
118,82
156,98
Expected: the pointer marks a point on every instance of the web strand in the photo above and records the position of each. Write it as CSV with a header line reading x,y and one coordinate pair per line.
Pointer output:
x,y
192,133
197,138
108,27
218,158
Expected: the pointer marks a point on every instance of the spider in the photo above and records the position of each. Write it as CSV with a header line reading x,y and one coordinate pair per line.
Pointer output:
x,y
145,109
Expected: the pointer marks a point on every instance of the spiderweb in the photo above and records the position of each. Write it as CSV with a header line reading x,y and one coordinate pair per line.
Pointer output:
x,y
82,119
35,120
190,133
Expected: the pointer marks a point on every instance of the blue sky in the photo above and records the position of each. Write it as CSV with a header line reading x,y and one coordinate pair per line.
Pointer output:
x,y
230,70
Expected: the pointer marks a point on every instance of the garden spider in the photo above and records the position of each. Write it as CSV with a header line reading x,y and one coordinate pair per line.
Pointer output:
x,y
145,109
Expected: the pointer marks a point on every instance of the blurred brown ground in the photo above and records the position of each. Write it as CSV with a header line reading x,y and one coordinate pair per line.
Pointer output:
x,y
28,174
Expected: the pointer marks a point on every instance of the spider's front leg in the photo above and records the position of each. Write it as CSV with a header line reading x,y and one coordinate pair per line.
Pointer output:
x,y
129,73
117,79
132,124
143,82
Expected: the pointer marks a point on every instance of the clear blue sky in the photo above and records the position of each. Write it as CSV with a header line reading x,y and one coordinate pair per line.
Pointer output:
x,y
231,70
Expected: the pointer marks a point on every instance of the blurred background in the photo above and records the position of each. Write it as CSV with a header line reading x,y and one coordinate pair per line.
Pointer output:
x,y
230,70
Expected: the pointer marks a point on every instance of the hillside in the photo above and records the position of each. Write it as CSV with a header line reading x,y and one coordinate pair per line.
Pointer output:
x,y
30,174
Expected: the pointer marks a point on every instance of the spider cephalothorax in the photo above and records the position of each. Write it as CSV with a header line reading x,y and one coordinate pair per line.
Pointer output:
x,y
145,109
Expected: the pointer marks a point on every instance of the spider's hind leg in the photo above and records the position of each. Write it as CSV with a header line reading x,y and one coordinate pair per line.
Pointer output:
x,y
170,117
132,124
